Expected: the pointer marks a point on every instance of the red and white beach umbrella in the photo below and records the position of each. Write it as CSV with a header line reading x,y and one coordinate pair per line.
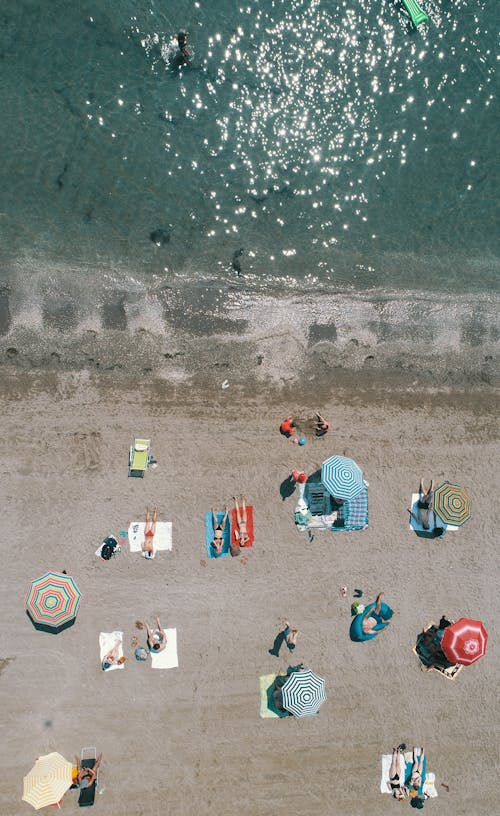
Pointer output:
x,y
464,641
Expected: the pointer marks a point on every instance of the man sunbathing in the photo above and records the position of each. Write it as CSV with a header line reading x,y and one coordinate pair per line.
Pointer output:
x,y
149,533
85,777
218,539
241,534
157,639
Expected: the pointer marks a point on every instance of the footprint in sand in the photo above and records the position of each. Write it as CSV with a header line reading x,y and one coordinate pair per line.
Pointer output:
x,y
203,563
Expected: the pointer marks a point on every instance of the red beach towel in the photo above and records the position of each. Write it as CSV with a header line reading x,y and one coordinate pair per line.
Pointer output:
x,y
234,527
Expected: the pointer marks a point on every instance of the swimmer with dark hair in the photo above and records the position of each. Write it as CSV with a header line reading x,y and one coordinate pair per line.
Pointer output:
x,y
181,41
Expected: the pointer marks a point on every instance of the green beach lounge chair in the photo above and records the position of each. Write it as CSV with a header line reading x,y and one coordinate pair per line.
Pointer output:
x,y
138,459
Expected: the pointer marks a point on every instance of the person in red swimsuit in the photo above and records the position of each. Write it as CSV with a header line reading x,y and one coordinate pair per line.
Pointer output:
x,y
149,533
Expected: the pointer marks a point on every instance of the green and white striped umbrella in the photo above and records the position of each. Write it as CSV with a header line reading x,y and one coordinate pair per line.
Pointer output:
x,y
304,693
451,504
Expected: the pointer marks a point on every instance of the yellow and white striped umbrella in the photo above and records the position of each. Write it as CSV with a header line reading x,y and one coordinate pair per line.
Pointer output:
x,y
48,780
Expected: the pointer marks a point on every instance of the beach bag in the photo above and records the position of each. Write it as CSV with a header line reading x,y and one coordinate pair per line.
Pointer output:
x,y
109,546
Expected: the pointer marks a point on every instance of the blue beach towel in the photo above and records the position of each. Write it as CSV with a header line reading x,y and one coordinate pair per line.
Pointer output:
x,y
209,535
409,766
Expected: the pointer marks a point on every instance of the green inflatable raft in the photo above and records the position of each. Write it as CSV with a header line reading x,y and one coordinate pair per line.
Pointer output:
x,y
417,15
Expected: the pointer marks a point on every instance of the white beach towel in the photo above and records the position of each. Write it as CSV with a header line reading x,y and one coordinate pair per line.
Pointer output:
x,y
386,767
413,525
107,642
166,659
162,538
429,787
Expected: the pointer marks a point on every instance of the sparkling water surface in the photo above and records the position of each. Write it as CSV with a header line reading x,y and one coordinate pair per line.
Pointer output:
x,y
305,142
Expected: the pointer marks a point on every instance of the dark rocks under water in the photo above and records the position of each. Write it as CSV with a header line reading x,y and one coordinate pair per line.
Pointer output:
x,y
160,237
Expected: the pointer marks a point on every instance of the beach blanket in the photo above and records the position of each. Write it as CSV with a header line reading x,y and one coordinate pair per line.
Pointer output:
x,y
267,708
209,535
166,659
353,513
162,539
107,642
250,530
386,767
433,521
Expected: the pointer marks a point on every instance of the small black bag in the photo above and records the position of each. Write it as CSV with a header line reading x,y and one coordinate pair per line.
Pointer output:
x,y
108,548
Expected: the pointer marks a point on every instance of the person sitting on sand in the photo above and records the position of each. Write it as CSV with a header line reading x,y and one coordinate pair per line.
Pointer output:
x,y
290,636
112,658
424,505
149,533
157,639
218,539
85,777
374,625
287,427
241,534
398,790
321,426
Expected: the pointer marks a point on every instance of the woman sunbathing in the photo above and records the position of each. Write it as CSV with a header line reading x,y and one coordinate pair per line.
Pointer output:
x,y
416,771
398,790
157,639
241,534
424,505
149,533
112,658
218,539
85,777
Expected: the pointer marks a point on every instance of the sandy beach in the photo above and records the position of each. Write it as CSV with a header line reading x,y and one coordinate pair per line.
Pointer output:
x,y
190,740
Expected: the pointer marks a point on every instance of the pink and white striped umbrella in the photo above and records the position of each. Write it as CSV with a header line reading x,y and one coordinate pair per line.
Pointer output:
x,y
464,641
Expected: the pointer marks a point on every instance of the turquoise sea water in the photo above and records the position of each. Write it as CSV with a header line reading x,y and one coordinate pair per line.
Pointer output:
x,y
306,143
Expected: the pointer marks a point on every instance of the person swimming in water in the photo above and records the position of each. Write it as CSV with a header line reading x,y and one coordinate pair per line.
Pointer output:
x,y
181,41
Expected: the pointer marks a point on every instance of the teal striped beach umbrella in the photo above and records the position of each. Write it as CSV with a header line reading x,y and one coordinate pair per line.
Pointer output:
x,y
342,477
304,693
451,504
52,600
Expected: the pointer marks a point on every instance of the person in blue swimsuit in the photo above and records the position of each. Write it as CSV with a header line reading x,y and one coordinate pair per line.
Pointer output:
x,y
376,618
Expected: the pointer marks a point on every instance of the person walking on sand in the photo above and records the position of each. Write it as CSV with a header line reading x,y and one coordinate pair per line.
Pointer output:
x,y
398,790
149,533
218,539
321,426
241,534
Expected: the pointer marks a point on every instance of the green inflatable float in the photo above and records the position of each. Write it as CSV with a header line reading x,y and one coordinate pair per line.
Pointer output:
x,y
417,15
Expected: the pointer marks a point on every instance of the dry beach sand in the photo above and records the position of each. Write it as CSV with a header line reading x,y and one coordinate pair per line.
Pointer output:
x,y
189,740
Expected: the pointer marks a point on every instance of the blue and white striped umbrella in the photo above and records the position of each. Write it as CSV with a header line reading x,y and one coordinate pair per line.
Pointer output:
x,y
342,477
303,693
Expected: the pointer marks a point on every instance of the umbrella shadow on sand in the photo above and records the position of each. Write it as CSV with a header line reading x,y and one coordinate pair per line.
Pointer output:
x,y
278,643
51,630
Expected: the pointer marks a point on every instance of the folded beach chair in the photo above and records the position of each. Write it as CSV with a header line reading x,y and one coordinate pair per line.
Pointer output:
x,y
88,757
234,527
317,498
209,535
138,458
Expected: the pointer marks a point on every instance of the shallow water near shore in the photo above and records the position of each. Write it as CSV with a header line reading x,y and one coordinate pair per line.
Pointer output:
x,y
305,144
